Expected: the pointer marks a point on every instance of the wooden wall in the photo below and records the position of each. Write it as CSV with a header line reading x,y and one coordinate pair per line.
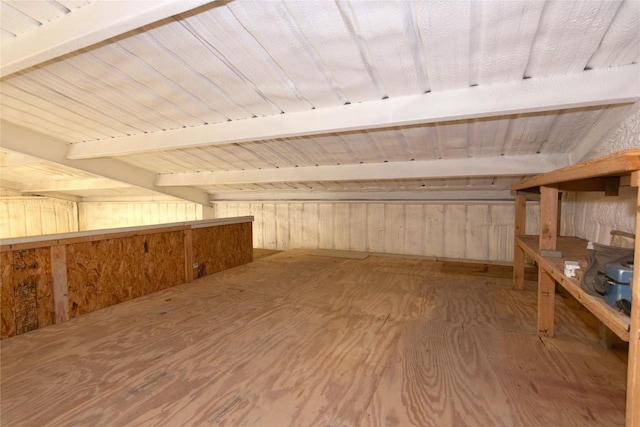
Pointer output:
x,y
32,216
101,215
50,281
107,272
463,230
26,298
220,248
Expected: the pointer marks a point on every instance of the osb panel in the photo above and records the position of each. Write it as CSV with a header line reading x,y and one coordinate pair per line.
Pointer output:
x,y
221,247
27,300
108,272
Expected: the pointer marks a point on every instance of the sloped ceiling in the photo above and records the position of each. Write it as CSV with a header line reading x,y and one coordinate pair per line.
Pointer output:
x,y
246,100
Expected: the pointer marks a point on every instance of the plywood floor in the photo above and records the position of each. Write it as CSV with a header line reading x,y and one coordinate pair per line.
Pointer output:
x,y
296,340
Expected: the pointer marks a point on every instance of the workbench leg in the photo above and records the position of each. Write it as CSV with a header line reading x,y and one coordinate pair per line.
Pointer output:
x,y
546,303
606,336
633,369
518,252
548,217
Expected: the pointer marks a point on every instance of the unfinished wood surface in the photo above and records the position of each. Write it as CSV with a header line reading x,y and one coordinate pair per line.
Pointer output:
x,y
574,249
296,340
221,247
519,229
633,374
100,275
60,287
548,217
188,256
27,300
620,163
546,303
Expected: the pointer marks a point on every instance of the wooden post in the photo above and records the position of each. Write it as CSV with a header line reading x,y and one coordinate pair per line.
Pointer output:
x,y
548,240
188,255
519,230
546,303
633,369
60,286
548,217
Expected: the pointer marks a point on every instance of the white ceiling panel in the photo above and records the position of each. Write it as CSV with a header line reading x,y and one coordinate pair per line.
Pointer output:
x,y
263,86
568,35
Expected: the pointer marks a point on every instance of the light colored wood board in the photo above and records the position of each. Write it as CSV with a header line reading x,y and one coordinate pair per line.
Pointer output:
x,y
414,230
500,233
620,163
341,226
520,215
548,217
454,233
282,227
269,226
375,227
310,226
258,225
326,232
60,287
572,248
633,374
328,333
107,272
357,227
332,354
188,255
219,248
135,332
518,267
477,232
440,376
557,385
394,226
296,224
546,303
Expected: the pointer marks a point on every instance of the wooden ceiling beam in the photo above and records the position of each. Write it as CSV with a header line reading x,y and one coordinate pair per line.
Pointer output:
x,y
45,147
73,185
83,27
416,195
428,169
589,88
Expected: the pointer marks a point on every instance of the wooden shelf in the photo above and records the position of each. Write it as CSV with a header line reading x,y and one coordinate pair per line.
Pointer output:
x,y
606,174
574,249
585,176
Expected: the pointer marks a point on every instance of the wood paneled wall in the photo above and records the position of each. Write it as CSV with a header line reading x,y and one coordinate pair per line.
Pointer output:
x,y
479,231
49,281
101,215
33,216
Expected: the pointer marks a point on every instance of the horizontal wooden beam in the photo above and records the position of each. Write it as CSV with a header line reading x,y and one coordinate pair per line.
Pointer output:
x,y
620,163
73,185
45,147
83,27
589,88
426,195
466,167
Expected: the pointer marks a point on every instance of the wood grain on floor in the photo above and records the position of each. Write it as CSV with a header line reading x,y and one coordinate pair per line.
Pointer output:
x,y
295,339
